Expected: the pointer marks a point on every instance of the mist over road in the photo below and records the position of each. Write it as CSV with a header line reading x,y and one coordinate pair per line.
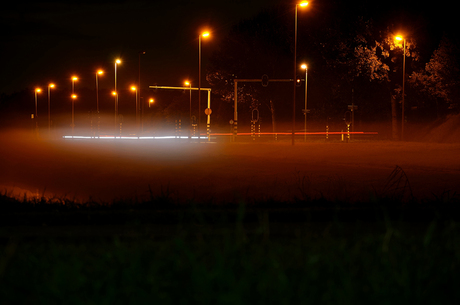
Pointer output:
x,y
105,170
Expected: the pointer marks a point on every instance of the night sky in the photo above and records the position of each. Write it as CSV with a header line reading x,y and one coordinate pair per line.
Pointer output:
x,y
50,41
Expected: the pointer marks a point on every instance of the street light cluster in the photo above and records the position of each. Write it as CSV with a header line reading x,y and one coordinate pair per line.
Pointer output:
x,y
202,35
99,73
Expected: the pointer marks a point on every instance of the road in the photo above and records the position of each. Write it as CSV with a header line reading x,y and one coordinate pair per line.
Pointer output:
x,y
223,172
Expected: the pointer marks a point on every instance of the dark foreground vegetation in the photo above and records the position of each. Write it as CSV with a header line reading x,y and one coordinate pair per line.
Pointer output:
x,y
384,251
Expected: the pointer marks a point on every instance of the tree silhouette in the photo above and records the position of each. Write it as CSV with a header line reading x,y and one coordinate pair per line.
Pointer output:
x,y
439,80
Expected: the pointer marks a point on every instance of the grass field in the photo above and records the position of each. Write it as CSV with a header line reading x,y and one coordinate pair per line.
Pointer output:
x,y
275,253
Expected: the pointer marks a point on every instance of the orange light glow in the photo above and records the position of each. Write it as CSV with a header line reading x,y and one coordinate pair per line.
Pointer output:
x,y
74,78
51,85
118,61
38,90
114,93
205,34
303,4
100,72
133,88
304,66
151,101
74,96
399,37
187,83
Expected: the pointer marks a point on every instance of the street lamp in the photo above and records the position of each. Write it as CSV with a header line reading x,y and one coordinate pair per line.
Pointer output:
x,y
188,83
204,35
37,90
133,88
117,62
301,4
74,79
400,38
99,72
73,96
151,101
49,111
304,66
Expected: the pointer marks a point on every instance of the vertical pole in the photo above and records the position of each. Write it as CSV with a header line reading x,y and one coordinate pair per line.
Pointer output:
x,y
306,111
190,83
73,105
116,96
49,111
295,75
97,93
403,93
199,87
97,103
138,90
36,113
137,112
235,111
208,123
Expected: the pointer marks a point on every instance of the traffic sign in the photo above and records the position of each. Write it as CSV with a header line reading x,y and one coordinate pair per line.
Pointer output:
x,y
353,107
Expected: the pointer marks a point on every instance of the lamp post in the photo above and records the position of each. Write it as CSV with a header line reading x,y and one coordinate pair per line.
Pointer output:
x,y
117,62
302,4
188,83
49,111
133,88
304,66
99,72
400,38
73,97
37,90
204,34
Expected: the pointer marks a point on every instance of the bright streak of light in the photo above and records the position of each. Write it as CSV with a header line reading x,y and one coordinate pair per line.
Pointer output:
x,y
132,138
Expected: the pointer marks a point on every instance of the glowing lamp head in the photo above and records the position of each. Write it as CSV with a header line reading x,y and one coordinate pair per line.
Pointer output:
x,y
51,85
303,3
38,90
133,88
74,78
151,101
74,96
118,61
205,34
100,72
304,66
187,83
114,93
399,37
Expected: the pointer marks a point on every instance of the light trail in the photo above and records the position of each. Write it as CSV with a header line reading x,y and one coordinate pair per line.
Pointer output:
x,y
218,134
